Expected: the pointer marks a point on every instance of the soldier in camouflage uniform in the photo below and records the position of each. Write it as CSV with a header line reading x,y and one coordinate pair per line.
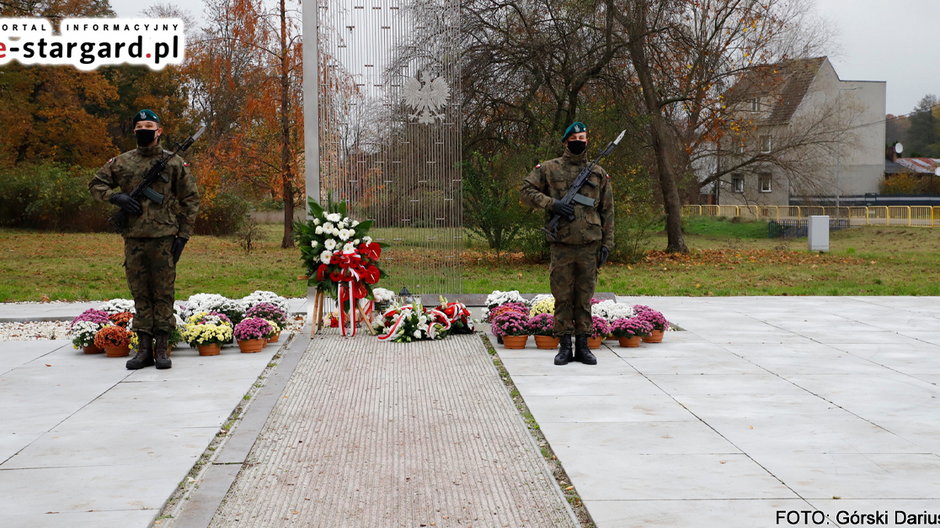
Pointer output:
x,y
155,233
583,244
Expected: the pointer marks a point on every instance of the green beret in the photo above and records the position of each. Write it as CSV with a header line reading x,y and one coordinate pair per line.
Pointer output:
x,y
574,128
146,115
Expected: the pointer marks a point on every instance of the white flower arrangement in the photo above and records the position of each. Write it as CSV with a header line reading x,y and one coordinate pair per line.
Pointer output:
x,y
83,333
502,297
612,310
383,295
262,296
115,306
326,256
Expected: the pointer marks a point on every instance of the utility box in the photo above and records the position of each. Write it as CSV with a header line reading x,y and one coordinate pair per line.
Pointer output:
x,y
818,233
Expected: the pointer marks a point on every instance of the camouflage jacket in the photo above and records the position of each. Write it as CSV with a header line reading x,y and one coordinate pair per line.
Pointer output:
x,y
550,181
181,198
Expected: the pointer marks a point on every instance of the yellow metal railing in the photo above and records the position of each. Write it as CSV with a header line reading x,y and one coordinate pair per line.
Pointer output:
x,y
904,215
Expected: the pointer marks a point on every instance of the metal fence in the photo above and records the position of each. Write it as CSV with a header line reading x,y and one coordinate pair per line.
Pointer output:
x,y
389,131
898,215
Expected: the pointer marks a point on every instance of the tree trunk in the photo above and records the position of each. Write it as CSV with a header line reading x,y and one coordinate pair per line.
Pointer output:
x,y
286,170
658,130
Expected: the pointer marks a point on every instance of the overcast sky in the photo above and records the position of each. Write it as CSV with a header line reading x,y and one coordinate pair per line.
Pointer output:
x,y
876,40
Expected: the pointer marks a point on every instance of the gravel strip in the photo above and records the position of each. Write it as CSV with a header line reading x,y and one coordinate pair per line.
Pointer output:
x,y
34,330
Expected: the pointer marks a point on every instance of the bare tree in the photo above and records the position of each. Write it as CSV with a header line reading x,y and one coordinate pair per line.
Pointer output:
x,y
685,56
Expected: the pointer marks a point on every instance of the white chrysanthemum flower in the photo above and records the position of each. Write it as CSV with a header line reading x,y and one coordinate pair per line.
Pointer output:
x,y
318,230
314,243
330,244
417,334
328,227
356,242
383,295
334,217
349,247
343,235
341,225
355,223
316,221
325,257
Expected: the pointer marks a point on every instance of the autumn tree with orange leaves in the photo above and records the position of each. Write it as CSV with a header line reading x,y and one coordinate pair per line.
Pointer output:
x,y
244,71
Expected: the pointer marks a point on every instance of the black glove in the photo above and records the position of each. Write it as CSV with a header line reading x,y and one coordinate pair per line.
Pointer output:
x,y
563,209
602,255
126,203
178,244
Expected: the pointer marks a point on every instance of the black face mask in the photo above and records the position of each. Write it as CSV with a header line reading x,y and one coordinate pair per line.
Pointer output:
x,y
145,137
576,147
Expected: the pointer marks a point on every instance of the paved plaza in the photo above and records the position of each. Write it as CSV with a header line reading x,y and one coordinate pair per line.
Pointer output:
x,y
760,405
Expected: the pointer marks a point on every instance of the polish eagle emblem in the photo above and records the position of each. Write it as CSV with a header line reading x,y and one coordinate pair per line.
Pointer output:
x,y
426,97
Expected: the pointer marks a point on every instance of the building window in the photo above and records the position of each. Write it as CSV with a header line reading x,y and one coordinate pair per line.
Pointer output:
x,y
766,143
737,183
755,105
765,182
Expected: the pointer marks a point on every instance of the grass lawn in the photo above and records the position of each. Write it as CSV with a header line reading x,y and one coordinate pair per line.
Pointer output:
x,y
727,258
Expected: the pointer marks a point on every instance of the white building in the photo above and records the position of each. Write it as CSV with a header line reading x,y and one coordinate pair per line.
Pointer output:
x,y
802,136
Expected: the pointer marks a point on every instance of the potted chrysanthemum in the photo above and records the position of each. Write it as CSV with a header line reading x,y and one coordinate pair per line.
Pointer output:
x,y
513,327
83,328
600,329
252,334
656,319
114,339
631,330
542,326
272,314
207,332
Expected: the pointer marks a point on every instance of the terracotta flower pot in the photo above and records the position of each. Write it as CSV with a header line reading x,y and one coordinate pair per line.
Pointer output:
x,y
93,349
546,342
515,342
274,338
595,342
655,337
212,349
117,351
250,346
630,342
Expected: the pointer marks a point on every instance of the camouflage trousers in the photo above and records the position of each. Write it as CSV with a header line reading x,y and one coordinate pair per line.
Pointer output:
x,y
151,277
573,276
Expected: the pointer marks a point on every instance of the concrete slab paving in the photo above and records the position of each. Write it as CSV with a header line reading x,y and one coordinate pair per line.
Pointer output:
x,y
788,403
85,442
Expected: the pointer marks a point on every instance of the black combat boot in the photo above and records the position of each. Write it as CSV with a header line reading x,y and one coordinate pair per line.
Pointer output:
x,y
563,357
159,351
581,351
144,356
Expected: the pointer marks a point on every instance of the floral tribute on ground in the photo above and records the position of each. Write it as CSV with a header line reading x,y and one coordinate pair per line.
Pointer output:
x,y
340,258
414,322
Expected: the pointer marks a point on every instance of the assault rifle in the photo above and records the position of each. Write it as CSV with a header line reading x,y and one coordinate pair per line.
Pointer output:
x,y
118,220
574,196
